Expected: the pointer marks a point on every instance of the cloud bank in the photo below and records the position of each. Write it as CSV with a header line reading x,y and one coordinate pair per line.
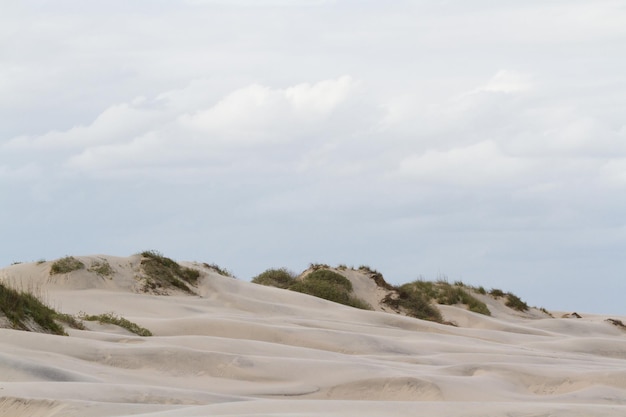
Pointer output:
x,y
486,142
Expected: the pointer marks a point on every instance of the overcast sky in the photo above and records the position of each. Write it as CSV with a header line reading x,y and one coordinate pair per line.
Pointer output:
x,y
481,140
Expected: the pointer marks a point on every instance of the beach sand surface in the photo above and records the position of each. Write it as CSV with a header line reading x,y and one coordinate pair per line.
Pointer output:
x,y
241,349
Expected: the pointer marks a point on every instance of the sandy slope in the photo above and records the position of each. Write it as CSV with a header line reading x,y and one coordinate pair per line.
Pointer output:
x,y
243,349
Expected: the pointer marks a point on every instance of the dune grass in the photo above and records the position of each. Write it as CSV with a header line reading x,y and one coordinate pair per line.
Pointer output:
x,y
102,268
414,303
66,265
276,277
112,318
448,294
321,283
163,272
331,286
376,276
219,270
416,298
23,308
516,303
71,321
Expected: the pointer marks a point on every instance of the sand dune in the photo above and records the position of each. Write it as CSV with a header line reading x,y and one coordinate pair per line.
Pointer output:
x,y
237,348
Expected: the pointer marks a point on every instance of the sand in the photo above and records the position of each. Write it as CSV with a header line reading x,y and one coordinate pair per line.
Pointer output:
x,y
242,349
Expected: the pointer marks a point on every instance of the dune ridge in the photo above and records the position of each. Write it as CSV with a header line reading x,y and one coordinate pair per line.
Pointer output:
x,y
231,347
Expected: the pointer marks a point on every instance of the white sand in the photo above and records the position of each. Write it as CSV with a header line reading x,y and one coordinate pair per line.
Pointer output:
x,y
244,349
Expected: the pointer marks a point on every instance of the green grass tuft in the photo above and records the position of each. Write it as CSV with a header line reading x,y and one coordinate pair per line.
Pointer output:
x,y
414,302
281,278
71,321
20,308
163,272
65,265
316,266
330,286
102,268
219,270
322,283
111,318
516,303
496,293
416,298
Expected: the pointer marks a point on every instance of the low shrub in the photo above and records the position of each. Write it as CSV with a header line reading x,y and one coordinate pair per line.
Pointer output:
x,y
281,278
330,277
330,286
496,293
65,265
322,283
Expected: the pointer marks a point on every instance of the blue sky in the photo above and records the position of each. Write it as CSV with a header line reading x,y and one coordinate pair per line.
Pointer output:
x,y
484,141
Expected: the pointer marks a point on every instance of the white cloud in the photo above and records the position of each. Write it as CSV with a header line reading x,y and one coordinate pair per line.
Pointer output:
x,y
117,123
178,137
258,113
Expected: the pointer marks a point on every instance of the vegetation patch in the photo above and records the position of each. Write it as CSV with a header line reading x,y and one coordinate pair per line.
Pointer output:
x,y
496,293
281,278
546,312
102,268
65,265
330,286
23,308
163,272
322,283
617,323
414,302
218,269
317,267
376,276
111,318
71,321
516,303
456,294
417,298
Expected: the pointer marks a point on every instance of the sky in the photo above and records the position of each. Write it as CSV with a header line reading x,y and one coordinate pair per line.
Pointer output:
x,y
481,141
